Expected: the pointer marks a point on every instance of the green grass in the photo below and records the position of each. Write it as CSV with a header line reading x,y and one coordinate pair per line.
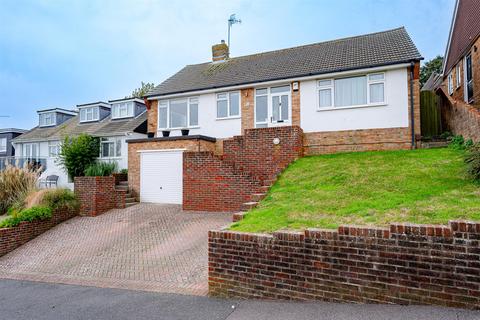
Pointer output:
x,y
368,188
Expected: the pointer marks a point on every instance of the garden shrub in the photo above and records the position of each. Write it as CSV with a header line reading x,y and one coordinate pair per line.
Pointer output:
x,y
457,143
31,214
77,153
101,169
15,184
472,159
60,198
124,171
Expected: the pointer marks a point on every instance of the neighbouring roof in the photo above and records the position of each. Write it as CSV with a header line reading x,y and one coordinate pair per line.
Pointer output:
x,y
464,30
370,50
13,130
433,82
104,128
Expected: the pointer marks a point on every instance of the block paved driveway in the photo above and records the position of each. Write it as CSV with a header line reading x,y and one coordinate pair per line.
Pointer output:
x,y
145,247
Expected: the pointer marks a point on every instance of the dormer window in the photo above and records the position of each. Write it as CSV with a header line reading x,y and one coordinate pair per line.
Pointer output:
x,y
47,119
122,110
89,114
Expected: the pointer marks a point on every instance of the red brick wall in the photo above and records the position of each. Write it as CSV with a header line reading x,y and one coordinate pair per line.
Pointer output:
x,y
256,154
405,264
98,195
460,118
210,184
12,238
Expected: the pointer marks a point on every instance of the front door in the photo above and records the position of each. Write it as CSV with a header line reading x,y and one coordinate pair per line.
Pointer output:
x,y
272,107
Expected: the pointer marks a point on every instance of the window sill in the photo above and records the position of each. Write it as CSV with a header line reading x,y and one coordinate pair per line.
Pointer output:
x,y
110,158
228,118
177,129
352,107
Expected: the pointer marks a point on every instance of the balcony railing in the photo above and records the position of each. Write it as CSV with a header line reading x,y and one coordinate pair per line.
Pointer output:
x,y
20,162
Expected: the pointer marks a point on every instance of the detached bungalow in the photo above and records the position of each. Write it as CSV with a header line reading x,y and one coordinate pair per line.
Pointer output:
x,y
350,94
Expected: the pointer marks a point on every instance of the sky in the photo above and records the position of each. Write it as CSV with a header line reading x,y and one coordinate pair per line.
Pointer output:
x,y
60,53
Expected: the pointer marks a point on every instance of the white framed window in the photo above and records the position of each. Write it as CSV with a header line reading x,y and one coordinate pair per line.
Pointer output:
x,y
110,147
47,119
363,90
31,150
89,114
458,78
228,105
122,110
178,113
53,148
272,106
450,83
3,144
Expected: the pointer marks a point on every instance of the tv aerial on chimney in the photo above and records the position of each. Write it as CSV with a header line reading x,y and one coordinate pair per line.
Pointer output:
x,y
231,21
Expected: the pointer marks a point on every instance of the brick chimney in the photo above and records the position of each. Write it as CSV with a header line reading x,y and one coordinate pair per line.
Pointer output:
x,y
220,52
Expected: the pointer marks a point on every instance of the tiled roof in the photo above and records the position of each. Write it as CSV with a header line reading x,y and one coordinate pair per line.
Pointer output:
x,y
376,49
104,128
465,30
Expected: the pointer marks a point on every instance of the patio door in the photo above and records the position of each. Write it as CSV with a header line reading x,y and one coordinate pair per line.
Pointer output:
x,y
272,107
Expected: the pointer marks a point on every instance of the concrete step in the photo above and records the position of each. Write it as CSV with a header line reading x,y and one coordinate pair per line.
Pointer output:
x,y
249,205
123,183
258,196
119,187
237,216
264,189
130,200
128,205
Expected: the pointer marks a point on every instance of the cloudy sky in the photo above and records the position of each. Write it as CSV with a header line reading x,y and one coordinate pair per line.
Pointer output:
x,y
57,53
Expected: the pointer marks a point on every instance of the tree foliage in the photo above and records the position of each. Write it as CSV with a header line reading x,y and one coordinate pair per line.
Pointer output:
x,y
78,153
143,90
434,65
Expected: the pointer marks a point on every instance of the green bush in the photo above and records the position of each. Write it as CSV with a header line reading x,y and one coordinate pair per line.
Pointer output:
x,y
34,213
124,171
446,135
472,159
457,143
101,169
60,198
77,153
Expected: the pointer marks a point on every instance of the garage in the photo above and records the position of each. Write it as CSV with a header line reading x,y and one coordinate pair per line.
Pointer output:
x,y
161,176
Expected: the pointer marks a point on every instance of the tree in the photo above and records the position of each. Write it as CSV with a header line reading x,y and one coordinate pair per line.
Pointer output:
x,y
143,90
77,153
434,65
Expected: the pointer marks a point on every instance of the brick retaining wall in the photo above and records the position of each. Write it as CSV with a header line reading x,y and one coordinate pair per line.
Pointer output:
x,y
405,264
12,238
98,195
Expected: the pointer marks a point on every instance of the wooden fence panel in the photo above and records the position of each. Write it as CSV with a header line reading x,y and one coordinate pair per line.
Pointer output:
x,y
430,115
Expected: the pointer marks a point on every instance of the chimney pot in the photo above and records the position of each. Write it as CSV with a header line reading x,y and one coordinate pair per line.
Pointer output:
x,y
220,52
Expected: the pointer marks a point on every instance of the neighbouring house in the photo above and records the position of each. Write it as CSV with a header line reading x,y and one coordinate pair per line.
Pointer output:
x,y
7,151
249,116
113,122
461,72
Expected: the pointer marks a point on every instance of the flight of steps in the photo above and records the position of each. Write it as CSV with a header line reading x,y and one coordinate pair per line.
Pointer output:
x,y
129,200
254,200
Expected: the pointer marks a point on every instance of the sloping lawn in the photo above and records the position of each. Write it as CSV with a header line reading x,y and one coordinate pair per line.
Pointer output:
x,y
368,188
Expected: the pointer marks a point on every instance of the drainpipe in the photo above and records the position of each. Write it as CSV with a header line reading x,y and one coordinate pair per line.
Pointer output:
x,y
412,108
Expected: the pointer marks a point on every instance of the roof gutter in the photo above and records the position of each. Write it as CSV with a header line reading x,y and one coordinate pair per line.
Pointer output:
x,y
283,80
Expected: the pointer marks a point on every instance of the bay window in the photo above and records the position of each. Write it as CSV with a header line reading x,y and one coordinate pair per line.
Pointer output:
x,y
228,105
178,113
110,147
352,91
89,114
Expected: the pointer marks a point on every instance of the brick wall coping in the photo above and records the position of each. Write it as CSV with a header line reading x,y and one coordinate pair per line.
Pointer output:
x,y
446,231
192,137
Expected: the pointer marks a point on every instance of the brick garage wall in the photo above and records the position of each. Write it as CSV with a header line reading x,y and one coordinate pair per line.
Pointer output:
x,y
357,140
405,264
256,154
134,155
98,195
210,184
12,238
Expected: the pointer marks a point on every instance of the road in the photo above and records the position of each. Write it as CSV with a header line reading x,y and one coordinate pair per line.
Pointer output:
x,y
37,300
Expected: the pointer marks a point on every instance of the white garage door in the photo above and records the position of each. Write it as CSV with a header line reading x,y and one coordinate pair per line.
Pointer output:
x,y
161,176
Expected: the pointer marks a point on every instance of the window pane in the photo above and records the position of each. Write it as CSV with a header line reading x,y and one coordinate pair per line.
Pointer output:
x,y
351,91
276,108
261,109
222,96
162,117
3,144
325,83
222,108
280,89
376,77
261,91
104,150
325,98
118,148
95,113
130,109
376,93
111,149
234,104
194,114
178,113
284,108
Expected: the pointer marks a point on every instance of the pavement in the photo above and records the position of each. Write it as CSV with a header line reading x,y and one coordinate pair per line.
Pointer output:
x,y
35,300
145,247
